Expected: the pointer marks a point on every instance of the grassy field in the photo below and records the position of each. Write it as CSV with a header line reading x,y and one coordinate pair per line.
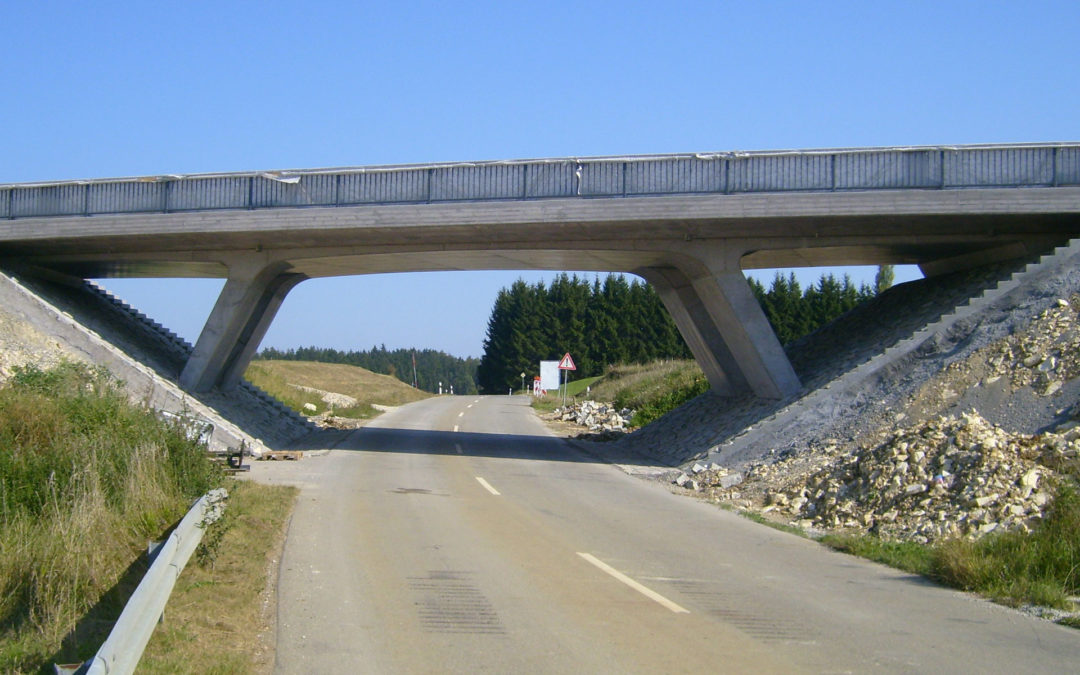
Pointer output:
x,y
279,379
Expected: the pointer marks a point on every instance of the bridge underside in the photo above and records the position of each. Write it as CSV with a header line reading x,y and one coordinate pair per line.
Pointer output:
x,y
692,249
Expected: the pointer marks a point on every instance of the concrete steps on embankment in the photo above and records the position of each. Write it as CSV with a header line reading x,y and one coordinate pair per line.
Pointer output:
x,y
95,326
883,376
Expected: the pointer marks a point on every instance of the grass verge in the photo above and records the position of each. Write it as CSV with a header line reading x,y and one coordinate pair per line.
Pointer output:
x,y
1041,567
907,556
220,604
86,479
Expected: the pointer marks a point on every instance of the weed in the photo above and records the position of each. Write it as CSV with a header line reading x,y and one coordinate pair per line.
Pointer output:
x,y
904,555
762,520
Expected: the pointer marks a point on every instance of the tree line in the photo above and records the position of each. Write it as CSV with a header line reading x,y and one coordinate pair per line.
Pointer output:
x,y
431,366
794,312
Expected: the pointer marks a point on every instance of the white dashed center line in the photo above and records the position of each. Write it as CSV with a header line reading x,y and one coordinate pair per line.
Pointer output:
x,y
644,590
461,414
455,428
487,486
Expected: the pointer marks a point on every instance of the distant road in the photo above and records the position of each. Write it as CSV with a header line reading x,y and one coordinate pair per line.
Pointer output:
x,y
455,535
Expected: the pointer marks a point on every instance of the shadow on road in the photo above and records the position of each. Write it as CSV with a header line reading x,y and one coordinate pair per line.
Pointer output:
x,y
505,446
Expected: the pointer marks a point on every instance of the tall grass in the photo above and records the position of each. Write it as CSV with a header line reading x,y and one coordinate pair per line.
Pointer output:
x,y
1041,567
86,478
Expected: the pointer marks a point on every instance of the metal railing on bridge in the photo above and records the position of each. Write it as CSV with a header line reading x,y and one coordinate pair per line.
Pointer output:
x,y
985,166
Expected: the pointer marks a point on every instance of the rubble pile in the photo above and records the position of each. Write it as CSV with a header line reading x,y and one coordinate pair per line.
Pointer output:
x,y
944,478
711,476
599,418
330,398
1046,355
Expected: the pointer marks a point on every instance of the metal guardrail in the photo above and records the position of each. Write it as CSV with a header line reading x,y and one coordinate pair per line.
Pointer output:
x,y
121,651
939,167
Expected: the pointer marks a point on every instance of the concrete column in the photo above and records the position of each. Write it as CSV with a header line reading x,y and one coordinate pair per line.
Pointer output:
x,y
248,303
697,329
746,332
712,305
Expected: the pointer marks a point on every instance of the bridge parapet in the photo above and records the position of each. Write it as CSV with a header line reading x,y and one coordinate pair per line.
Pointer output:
x,y
956,167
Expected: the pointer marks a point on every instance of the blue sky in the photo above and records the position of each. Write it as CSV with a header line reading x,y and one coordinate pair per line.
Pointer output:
x,y
112,89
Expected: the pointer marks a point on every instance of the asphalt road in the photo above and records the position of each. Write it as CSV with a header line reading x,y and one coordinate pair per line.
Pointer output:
x,y
456,535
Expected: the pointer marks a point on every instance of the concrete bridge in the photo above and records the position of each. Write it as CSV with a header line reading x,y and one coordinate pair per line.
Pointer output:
x,y
689,224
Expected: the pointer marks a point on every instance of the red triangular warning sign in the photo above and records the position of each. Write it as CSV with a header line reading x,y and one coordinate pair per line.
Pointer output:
x,y
567,363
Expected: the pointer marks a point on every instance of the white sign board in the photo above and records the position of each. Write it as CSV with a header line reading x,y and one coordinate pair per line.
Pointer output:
x,y
549,375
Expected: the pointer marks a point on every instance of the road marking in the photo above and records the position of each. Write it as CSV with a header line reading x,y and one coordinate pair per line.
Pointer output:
x,y
469,406
644,590
461,414
455,428
487,486
476,401
457,446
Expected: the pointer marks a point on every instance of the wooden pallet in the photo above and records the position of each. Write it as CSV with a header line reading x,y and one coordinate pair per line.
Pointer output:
x,y
282,454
